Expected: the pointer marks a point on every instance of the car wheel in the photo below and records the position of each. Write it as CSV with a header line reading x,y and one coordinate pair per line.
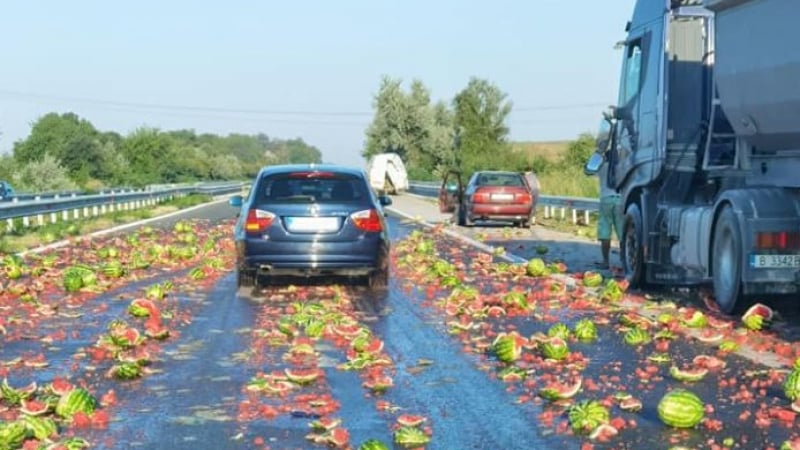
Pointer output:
x,y
631,247
245,278
727,269
379,279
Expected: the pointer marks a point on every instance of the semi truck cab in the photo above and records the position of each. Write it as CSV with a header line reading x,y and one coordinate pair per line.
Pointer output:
x,y
704,147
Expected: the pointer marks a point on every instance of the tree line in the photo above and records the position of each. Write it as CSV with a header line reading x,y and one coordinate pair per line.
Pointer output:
x,y
65,151
467,134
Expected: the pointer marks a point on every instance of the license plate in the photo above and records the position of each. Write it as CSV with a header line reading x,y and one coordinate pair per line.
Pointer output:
x,y
503,197
775,261
312,224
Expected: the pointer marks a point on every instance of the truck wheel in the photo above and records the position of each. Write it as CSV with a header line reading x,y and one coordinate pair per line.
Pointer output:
x,y
727,261
631,248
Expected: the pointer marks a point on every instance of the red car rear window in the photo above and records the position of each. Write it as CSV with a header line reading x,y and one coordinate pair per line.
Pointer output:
x,y
500,179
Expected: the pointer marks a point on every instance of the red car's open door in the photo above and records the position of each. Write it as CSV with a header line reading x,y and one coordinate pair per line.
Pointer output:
x,y
450,192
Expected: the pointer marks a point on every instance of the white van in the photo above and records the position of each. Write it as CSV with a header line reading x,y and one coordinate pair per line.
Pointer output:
x,y
387,173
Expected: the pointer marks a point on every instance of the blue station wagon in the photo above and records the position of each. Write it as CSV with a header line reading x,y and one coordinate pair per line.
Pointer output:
x,y
311,220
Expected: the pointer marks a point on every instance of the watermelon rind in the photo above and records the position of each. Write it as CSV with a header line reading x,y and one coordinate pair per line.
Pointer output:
x,y
33,408
690,375
302,377
42,428
561,391
12,434
410,437
373,444
555,348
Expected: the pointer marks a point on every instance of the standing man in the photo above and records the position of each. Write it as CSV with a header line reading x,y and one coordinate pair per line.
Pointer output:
x,y
610,215
533,184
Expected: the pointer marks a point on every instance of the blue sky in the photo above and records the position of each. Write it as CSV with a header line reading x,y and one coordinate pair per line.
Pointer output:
x,y
319,60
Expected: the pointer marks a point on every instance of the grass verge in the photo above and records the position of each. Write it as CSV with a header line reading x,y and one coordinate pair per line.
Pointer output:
x,y
22,238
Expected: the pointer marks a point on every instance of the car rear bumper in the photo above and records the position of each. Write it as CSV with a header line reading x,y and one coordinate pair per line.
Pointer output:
x,y
354,258
500,212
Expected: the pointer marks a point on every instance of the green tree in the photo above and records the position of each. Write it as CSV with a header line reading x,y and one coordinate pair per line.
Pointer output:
x,y
387,132
42,175
579,151
409,125
480,112
225,167
149,155
73,141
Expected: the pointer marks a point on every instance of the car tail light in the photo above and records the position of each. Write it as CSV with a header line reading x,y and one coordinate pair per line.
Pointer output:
x,y
258,220
367,220
524,198
778,240
482,196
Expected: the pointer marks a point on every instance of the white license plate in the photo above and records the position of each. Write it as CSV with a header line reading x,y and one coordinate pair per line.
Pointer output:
x,y
775,261
312,224
503,197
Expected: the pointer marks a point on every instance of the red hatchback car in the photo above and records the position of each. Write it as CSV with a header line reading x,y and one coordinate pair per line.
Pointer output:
x,y
489,195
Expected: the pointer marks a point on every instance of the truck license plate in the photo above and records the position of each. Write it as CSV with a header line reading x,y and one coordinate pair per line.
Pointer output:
x,y
775,261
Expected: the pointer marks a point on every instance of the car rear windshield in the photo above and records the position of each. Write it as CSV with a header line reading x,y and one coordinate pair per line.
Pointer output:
x,y
312,187
500,179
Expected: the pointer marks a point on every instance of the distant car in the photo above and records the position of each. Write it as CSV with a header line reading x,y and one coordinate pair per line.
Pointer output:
x,y
387,173
489,195
311,220
6,191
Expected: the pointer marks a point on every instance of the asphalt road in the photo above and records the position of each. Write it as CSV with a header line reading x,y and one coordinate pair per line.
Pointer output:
x,y
196,396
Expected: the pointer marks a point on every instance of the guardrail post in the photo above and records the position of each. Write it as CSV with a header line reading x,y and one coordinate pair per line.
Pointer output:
x,y
26,222
563,213
65,215
586,217
102,209
76,213
40,219
547,211
574,216
53,217
85,211
10,225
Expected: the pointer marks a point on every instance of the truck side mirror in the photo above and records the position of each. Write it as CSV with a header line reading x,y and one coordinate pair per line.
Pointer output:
x,y
592,166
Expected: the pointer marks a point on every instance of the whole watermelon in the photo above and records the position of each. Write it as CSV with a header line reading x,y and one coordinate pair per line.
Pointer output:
x,y
791,387
76,400
585,330
536,267
681,408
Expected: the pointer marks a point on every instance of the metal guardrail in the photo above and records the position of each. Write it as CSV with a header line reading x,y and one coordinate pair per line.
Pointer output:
x,y
551,203
93,205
